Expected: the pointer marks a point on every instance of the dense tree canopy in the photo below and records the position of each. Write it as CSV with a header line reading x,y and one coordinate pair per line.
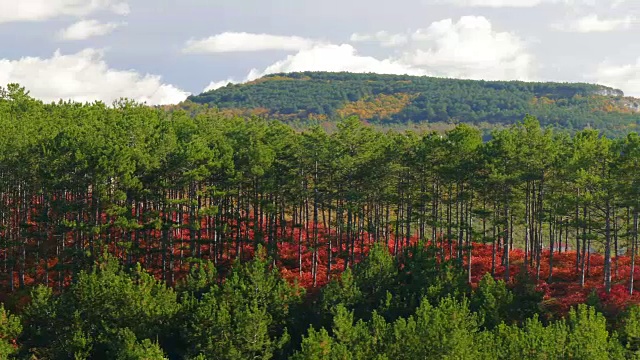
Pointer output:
x,y
399,100
130,232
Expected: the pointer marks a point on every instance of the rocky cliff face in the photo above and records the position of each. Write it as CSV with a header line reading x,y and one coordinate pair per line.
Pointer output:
x,y
627,102
632,103
607,91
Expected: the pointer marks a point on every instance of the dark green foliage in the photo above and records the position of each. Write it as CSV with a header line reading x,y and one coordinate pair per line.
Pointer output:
x,y
103,310
301,95
10,329
492,301
451,330
194,199
588,337
129,348
423,276
376,279
532,341
341,291
245,317
201,278
447,331
394,287
526,298
630,331
129,316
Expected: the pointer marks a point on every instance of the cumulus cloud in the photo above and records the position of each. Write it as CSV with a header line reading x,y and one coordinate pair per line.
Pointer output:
x,y
327,57
85,76
526,3
336,58
85,29
384,38
493,3
214,85
469,48
593,23
38,10
121,8
625,77
246,42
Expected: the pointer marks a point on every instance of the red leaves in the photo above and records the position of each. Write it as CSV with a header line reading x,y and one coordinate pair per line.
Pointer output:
x,y
559,295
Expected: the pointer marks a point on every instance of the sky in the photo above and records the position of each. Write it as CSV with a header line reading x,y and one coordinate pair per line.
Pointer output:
x,y
161,51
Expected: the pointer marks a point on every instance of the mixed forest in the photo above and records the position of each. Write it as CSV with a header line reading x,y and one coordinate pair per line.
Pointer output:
x,y
396,101
132,232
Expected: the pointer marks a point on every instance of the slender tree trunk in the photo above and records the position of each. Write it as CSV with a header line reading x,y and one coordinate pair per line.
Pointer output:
x,y
507,274
552,222
577,222
607,247
495,234
615,241
469,241
634,244
526,223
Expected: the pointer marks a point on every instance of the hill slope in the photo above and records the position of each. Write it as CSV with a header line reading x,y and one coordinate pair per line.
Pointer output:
x,y
396,99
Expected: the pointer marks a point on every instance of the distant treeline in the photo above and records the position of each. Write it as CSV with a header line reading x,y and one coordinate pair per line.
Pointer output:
x,y
394,99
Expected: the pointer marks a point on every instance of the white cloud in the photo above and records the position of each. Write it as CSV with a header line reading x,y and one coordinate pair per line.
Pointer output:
x,y
85,76
526,3
469,48
327,57
214,85
336,58
121,8
85,29
624,77
38,10
244,42
493,3
592,23
384,38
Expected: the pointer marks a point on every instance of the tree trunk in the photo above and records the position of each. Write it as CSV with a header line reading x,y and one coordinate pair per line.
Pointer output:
x,y
507,274
607,247
634,244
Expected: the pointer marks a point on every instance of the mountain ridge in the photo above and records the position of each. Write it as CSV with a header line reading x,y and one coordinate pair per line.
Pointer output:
x,y
400,100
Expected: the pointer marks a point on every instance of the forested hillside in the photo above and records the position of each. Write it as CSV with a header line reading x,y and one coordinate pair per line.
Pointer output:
x,y
395,100
130,232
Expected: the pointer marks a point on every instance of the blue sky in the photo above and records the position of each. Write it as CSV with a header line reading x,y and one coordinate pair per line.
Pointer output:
x,y
159,51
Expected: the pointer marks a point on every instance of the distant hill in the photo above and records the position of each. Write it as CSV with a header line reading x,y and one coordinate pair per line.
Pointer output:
x,y
398,100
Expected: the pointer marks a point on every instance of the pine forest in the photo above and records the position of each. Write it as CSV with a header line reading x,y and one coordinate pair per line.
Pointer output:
x,y
136,232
